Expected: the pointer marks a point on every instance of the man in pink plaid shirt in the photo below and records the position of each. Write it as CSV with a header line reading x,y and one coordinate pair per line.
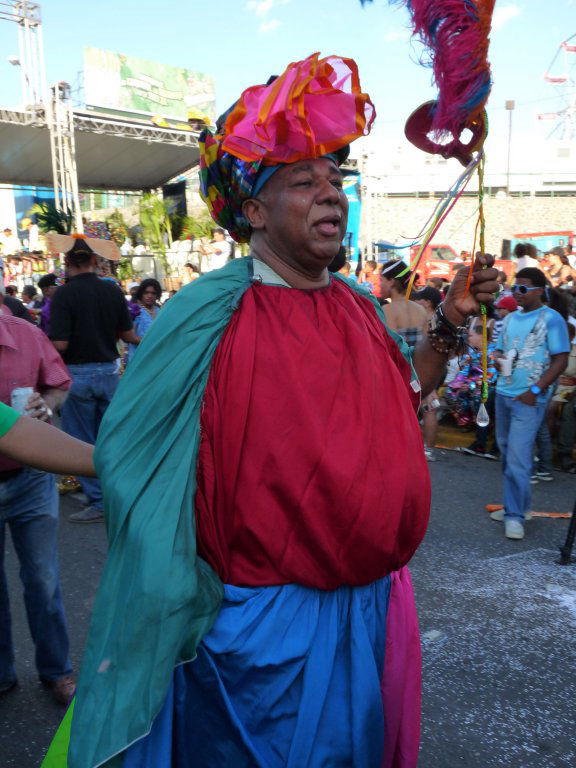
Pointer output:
x,y
29,507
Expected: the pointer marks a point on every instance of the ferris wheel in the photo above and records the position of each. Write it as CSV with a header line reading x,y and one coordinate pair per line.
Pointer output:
x,y
561,75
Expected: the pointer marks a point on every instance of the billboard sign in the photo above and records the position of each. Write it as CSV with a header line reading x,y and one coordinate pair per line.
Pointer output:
x,y
122,84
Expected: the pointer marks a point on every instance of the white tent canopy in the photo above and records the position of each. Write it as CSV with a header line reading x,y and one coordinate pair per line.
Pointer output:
x,y
114,154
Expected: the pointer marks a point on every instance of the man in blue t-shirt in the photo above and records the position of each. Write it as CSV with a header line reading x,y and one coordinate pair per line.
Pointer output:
x,y
533,348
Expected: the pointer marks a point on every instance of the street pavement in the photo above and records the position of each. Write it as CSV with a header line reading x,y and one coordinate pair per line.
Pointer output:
x,y
498,623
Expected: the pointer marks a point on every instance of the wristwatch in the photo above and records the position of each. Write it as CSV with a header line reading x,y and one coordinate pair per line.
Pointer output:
x,y
535,389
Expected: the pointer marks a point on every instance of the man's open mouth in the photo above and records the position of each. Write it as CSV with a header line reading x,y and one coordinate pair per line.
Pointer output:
x,y
329,226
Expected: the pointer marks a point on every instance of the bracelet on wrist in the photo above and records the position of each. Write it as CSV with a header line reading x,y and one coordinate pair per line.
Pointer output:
x,y
440,321
444,337
445,345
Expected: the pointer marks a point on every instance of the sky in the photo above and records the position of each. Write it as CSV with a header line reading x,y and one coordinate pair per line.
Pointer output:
x,y
243,42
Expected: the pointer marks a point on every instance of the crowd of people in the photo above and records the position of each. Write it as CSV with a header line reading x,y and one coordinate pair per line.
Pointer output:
x,y
108,330
255,607
527,327
531,361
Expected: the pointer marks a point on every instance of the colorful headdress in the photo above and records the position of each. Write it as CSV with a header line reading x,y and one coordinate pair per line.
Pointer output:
x,y
315,108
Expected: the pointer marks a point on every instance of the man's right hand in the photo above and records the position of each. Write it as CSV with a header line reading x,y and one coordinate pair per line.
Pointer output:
x,y
37,408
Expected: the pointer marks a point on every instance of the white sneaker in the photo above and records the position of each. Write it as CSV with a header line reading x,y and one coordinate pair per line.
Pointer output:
x,y
513,529
498,515
430,455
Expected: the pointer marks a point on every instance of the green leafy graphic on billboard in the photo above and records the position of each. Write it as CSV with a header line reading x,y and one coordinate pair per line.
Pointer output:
x,y
113,81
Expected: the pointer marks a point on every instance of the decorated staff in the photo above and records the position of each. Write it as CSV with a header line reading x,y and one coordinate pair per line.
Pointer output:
x,y
456,36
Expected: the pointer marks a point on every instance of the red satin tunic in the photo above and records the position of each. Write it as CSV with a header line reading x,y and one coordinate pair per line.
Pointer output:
x,y
311,466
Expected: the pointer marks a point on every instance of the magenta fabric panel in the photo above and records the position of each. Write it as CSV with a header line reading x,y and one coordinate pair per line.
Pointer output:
x,y
402,678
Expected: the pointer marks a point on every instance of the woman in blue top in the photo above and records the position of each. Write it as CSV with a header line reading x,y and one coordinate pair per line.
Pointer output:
x,y
148,295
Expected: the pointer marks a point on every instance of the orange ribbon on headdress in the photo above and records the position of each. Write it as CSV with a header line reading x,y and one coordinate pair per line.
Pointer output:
x,y
315,107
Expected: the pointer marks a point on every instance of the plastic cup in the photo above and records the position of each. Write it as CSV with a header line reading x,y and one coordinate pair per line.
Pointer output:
x,y
19,397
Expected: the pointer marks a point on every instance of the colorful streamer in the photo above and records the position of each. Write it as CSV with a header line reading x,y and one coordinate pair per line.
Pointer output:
x,y
439,215
456,36
482,223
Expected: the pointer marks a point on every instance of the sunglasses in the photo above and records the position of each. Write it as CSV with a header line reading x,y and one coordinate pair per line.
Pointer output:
x,y
523,289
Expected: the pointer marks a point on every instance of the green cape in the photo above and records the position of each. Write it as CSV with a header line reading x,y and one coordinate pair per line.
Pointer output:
x,y
156,598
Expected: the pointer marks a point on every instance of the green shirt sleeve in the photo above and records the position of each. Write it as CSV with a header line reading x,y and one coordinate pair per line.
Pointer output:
x,y
8,417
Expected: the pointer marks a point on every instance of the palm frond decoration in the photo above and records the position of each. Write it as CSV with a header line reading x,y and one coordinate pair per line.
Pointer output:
x,y
52,219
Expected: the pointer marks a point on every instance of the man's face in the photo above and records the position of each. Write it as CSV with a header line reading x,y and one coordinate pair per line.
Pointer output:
x,y
218,237
531,299
305,213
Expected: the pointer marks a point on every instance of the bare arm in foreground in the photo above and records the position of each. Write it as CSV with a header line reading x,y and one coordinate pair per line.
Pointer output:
x,y
41,445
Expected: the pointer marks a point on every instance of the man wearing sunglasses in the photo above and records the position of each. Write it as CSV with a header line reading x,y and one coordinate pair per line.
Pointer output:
x,y
533,349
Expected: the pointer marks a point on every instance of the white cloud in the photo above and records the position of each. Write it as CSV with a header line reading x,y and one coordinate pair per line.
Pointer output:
x,y
269,26
394,35
503,14
262,8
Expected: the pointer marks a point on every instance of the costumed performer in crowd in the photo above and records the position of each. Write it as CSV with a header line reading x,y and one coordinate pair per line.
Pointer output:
x,y
256,608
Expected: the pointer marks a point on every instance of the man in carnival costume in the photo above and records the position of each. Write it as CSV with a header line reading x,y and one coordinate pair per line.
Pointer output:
x,y
255,609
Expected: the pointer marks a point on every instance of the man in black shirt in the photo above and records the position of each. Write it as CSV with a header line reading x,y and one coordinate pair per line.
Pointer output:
x,y
88,315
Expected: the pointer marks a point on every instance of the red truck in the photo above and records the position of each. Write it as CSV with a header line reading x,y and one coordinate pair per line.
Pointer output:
x,y
443,261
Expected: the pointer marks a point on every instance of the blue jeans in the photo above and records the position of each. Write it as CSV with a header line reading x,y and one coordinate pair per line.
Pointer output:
x,y
93,386
516,428
29,506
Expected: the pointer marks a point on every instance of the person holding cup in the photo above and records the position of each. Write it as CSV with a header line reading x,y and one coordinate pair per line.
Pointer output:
x,y
34,379
532,352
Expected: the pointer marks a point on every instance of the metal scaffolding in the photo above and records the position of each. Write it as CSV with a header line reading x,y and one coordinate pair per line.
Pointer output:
x,y
41,109
31,49
63,151
111,126
51,110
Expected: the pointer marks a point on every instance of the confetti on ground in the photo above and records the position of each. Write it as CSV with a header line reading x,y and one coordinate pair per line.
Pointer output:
x,y
535,513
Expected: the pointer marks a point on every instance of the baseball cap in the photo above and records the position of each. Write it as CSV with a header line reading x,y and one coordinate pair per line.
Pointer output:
x,y
507,302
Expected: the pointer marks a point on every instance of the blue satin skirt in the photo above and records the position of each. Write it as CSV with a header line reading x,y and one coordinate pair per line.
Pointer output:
x,y
288,677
